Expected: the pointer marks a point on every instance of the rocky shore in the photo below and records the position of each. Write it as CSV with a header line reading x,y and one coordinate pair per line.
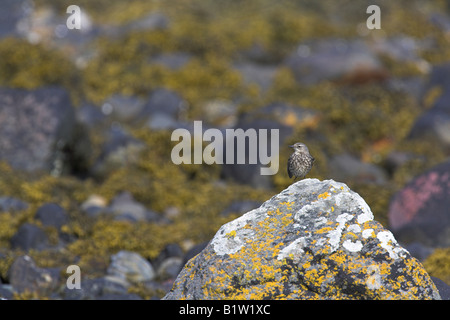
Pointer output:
x,y
90,196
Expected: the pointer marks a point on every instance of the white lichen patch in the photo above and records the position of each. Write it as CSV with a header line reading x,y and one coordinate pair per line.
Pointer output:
x,y
368,233
364,217
335,235
352,246
388,242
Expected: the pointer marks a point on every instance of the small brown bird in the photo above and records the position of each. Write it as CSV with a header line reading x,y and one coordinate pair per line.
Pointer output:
x,y
300,162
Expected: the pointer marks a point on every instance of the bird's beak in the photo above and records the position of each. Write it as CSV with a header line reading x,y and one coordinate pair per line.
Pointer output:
x,y
291,146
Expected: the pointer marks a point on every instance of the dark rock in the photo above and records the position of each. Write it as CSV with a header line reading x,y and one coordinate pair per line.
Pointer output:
x,y
6,292
152,21
345,167
419,212
12,204
11,14
51,214
124,296
123,108
162,121
120,149
169,268
400,48
335,59
444,289
434,123
441,20
261,75
169,251
29,236
125,207
164,101
279,116
24,275
92,289
35,126
90,115
314,240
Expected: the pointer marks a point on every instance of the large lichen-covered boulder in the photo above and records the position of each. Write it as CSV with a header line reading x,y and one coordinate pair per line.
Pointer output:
x,y
314,240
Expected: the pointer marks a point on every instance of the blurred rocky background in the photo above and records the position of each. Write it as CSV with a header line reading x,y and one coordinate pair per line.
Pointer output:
x,y
86,118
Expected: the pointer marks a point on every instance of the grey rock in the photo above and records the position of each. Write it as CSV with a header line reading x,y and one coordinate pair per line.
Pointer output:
x,y
90,115
24,275
444,289
162,121
434,123
52,214
120,149
12,204
169,251
130,266
12,12
123,108
164,101
441,20
125,296
152,21
333,59
125,207
6,292
29,236
93,289
314,240
261,75
35,126
400,48
170,268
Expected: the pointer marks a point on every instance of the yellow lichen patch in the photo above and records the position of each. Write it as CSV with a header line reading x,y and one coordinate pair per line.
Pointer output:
x,y
287,204
231,234
324,230
323,195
